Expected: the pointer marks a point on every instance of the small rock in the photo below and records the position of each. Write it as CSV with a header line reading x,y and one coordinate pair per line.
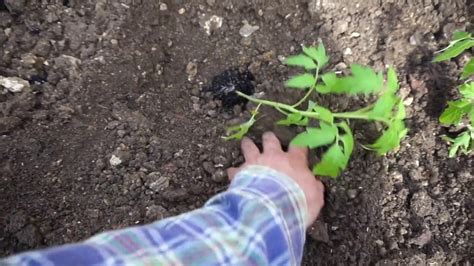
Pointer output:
x,y
352,193
14,84
422,239
219,176
355,35
191,70
157,182
210,23
396,177
413,40
341,66
163,7
114,160
319,232
408,101
211,2
348,51
246,30
114,42
181,11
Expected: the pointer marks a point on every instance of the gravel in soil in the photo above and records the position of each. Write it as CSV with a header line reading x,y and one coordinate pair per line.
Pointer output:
x,y
118,127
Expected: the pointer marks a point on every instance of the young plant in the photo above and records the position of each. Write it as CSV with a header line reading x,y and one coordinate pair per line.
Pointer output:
x,y
330,130
460,113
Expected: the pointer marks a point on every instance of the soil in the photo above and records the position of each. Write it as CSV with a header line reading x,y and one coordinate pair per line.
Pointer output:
x,y
119,126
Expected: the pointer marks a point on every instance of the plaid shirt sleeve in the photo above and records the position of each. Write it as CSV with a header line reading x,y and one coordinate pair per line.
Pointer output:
x,y
259,220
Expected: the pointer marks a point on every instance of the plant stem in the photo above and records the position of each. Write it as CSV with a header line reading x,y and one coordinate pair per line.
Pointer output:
x,y
309,91
359,114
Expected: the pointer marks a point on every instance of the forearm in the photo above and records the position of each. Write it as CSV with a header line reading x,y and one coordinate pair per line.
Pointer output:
x,y
258,220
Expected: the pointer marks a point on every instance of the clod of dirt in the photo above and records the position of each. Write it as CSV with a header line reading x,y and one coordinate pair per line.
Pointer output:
x,y
225,85
15,6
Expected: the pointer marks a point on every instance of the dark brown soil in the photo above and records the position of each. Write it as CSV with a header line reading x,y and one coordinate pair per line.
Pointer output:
x,y
118,128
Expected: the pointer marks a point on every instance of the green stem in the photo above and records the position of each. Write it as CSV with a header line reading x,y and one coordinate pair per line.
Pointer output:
x,y
309,91
360,114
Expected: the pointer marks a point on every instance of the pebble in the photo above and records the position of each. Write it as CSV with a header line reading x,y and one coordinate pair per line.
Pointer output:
x,y
114,160
181,11
156,212
210,23
163,7
157,182
355,35
14,84
208,167
246,30
191,70
352,193
348,51
114,42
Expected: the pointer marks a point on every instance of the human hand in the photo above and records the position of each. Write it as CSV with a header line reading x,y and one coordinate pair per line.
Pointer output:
x,y
293,163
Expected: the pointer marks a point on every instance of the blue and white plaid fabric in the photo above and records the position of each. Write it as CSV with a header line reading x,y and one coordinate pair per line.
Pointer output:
x,y
259,220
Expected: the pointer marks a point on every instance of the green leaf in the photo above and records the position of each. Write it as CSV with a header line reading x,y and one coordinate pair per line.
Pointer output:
x,y
325,114
467,90
401,112
363,80
455,112
460,35
316,137
318,54
455,49
301,81
392,81
471,116
468,69
390,138
294,119
383,106
460,142
348,141
301,60
332,163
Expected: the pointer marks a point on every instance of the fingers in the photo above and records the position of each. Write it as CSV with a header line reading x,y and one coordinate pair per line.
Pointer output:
x,y
249,150
298,152
271,143
231,172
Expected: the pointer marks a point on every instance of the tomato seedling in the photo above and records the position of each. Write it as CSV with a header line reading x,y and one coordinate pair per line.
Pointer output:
x,y
331,130
460,113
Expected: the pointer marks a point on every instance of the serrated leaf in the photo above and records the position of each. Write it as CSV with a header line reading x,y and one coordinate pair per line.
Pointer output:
x,y
383,106
467,90
301,60
301,81
460,35
348,141
460,142
468,69
455,112
318,54
324,114
316,137
392,81
401,112
454,50
294,119
363,80
390,138
332,163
